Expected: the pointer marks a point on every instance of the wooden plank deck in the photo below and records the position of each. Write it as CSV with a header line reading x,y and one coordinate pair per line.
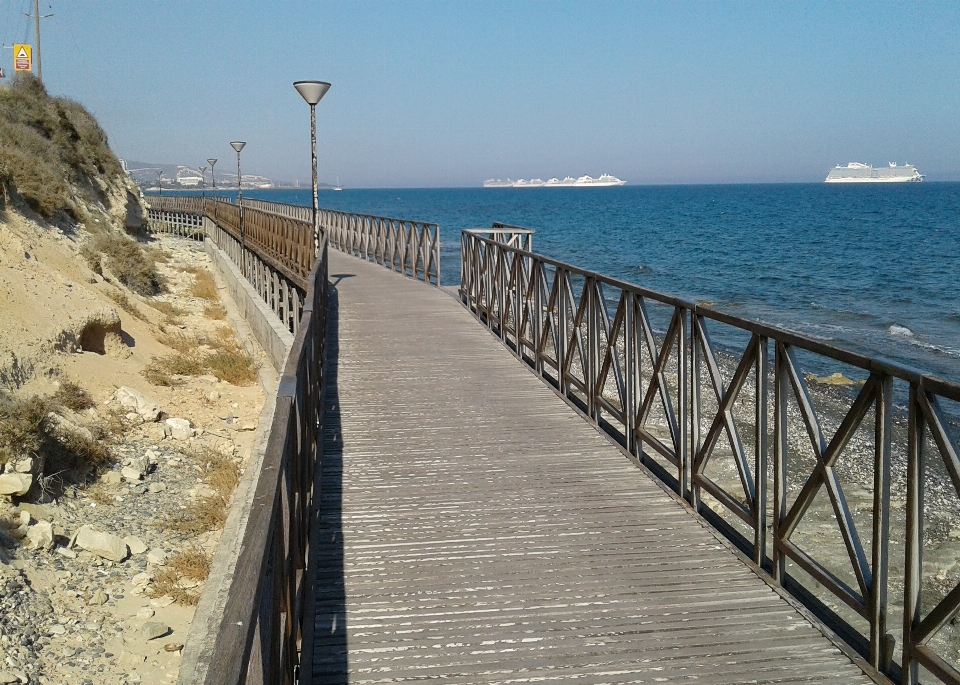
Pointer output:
x,y
475,529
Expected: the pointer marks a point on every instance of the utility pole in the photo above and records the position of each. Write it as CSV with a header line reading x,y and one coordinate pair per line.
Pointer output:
x,y
36,16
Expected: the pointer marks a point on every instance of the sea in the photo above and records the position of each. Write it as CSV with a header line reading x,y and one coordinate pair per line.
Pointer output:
x,y
871,268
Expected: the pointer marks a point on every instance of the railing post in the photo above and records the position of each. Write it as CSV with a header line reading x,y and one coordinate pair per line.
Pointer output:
x,y
592,309
631,371
880,650
760,455
781,395
683,454
913,549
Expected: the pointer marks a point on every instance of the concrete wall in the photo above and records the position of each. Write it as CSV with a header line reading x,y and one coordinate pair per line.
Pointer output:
x,y
269,331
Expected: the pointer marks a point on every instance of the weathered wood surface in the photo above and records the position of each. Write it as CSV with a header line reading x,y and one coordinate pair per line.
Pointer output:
x,y
476,530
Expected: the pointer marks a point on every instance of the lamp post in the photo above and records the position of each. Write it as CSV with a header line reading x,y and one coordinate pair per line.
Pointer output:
x,y
312,92
159,185
212,161
238,145
203,182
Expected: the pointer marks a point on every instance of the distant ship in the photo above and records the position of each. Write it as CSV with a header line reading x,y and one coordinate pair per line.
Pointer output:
x,y
605,181
855,172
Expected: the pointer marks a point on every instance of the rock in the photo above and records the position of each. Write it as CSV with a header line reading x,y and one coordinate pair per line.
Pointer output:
x,y
248,427
146,612
161,602
833,379
138,402
180,429
105,545
25,518
40,535
135,544
68,553
944,558
213,396
99,598
15,483
130,659
38,511
151,630
157,487
156,556
173,647
141,579
131,474
27,465
154,432
8,677
112,478
57,629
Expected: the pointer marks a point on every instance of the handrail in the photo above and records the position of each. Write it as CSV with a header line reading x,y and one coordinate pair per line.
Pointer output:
x,y
699,417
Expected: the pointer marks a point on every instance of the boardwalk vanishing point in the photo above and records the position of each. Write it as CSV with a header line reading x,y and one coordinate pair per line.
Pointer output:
x,y
475,529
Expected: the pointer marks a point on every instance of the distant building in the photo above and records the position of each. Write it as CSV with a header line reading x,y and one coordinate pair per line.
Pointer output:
x,y
188,178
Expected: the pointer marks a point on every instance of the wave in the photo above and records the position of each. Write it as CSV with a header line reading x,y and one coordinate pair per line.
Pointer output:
x,y
942,349
900,331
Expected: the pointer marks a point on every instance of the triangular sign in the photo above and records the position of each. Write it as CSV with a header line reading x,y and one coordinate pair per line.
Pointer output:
x,y
23,53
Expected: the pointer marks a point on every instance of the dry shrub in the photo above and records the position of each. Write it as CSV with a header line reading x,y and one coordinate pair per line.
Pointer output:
x,y
184,344
206,513
204,286
233,366
24,428
72,396
193,564
215,311
128,261
100,494
164,370
125,304
171,312
157,255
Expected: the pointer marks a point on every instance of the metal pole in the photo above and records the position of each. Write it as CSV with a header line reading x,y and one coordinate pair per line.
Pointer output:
x,y
313,160
159,184
36,29
213,176
243,238
203,182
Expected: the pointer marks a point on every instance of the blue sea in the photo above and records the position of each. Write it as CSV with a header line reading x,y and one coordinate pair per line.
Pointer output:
x,y
873,268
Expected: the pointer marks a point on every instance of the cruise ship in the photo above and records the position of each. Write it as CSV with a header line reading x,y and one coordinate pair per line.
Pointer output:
x,y
855,172
605,181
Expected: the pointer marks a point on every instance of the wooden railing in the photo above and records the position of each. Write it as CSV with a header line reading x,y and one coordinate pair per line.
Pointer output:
x,y
765,450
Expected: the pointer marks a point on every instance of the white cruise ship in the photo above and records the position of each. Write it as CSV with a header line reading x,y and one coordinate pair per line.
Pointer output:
x,y
856,172
605,181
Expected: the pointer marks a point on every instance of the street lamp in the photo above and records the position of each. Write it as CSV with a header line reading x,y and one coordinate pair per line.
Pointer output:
x,y
159,185
238,145
203,181
212,161
312,92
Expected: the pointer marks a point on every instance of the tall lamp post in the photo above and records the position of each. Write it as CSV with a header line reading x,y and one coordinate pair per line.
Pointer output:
x,y
312,92
203,181
238,145
159,185
212,161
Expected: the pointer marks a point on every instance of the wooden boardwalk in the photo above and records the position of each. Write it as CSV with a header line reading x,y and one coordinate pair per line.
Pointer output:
x,y
476,530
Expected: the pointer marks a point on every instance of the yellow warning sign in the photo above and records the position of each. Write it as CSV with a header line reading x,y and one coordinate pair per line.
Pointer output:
x,y
22,57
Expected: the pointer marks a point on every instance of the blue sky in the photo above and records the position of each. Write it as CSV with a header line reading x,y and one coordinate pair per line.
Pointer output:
x,y
433,94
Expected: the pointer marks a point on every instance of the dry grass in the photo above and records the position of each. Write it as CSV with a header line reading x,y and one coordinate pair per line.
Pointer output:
x,y
171,312
74,397
100,494
24,427
233,366
215,311
191,564
49,149
164,370
125,304
127,260
157,255
206,513
204,286
182,343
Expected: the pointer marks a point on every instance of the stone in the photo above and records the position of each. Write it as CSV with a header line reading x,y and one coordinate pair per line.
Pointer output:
x,y
141,579
8,677
40,512
25,518
27,465
248,427
213,395
130,659
102,544
139,403
180,429
833,379
156,556
151,630
66,552
17,484
131,474
135,544
112,478
157,487
173,647
161,602
99,598
154,432
57,629
40,535
146,612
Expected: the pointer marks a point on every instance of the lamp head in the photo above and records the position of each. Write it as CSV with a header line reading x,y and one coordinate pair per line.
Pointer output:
x,y
312,91
237,145
211,161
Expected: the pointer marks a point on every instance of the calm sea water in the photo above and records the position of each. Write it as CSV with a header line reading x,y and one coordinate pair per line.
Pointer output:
x,y
871,268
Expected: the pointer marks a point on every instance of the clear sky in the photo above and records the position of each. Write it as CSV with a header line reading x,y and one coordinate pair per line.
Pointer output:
x,y
452,93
